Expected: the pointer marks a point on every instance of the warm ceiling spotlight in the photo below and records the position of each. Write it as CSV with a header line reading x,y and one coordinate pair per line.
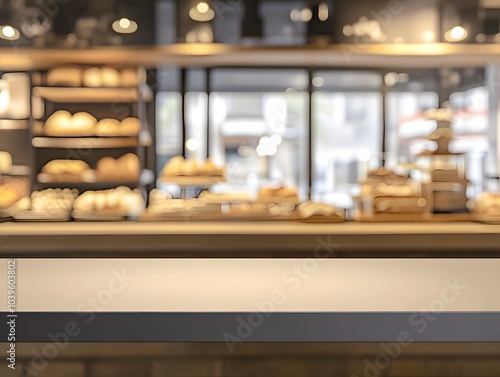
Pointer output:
x,y
203,7
9,33
202,12
456,34
323,12
125,26
306,15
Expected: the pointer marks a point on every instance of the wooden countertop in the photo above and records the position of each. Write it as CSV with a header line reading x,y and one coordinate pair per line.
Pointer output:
x,y
249,239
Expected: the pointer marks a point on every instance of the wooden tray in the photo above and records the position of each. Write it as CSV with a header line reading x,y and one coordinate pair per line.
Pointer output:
x,y
415,217
320,219
31,216
486,219
98,216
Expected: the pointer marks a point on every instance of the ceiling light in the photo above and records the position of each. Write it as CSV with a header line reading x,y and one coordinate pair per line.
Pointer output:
x,y
203,7
201,12
323,12
318,82
391,79
9,33
295,15
192,145
456,34
306,15
125,26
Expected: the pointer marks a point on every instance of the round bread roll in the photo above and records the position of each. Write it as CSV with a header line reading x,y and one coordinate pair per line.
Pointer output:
x,y
173,167
106,169
190,168
130,126
57,167
65,76
125,168
83,123
61,123
108,127
92,77
212,170
110,77
129,77
9,194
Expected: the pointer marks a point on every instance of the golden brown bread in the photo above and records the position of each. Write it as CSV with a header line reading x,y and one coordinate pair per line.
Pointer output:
x,y
65,76
125,168
62,123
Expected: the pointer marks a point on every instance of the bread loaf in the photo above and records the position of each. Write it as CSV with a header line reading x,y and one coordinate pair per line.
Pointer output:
x,y
126,168
108,127
62,123
92,77
65,76
190,168
129,77
5,162
70,167
110,77
130,127
9,194
174,167
122,201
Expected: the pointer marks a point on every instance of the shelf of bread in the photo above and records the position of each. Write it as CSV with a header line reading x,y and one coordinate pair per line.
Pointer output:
x,y
125,169
182,172
95,77
232,207
64,124
14,124
53,205
108,205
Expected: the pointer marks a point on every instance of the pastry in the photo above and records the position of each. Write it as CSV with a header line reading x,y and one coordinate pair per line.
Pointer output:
x,y
92,77
190,168
110,77
66,169
309,209
9,194
174,167
129,77
62,123
121,201
5,162
107,127
130,127
126,168
211,170
53,200
65,76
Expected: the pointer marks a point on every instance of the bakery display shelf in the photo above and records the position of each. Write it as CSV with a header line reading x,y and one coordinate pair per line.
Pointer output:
x,y
486,218
185,181
18,171
415,217
188,216
87,95
95,216
14,124
84,142
37,216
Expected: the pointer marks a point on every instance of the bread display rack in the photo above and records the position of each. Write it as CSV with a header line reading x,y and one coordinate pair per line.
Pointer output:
x,y
78,118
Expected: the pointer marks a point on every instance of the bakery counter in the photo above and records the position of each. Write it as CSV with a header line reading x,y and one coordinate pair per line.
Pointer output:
x,y
248,239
